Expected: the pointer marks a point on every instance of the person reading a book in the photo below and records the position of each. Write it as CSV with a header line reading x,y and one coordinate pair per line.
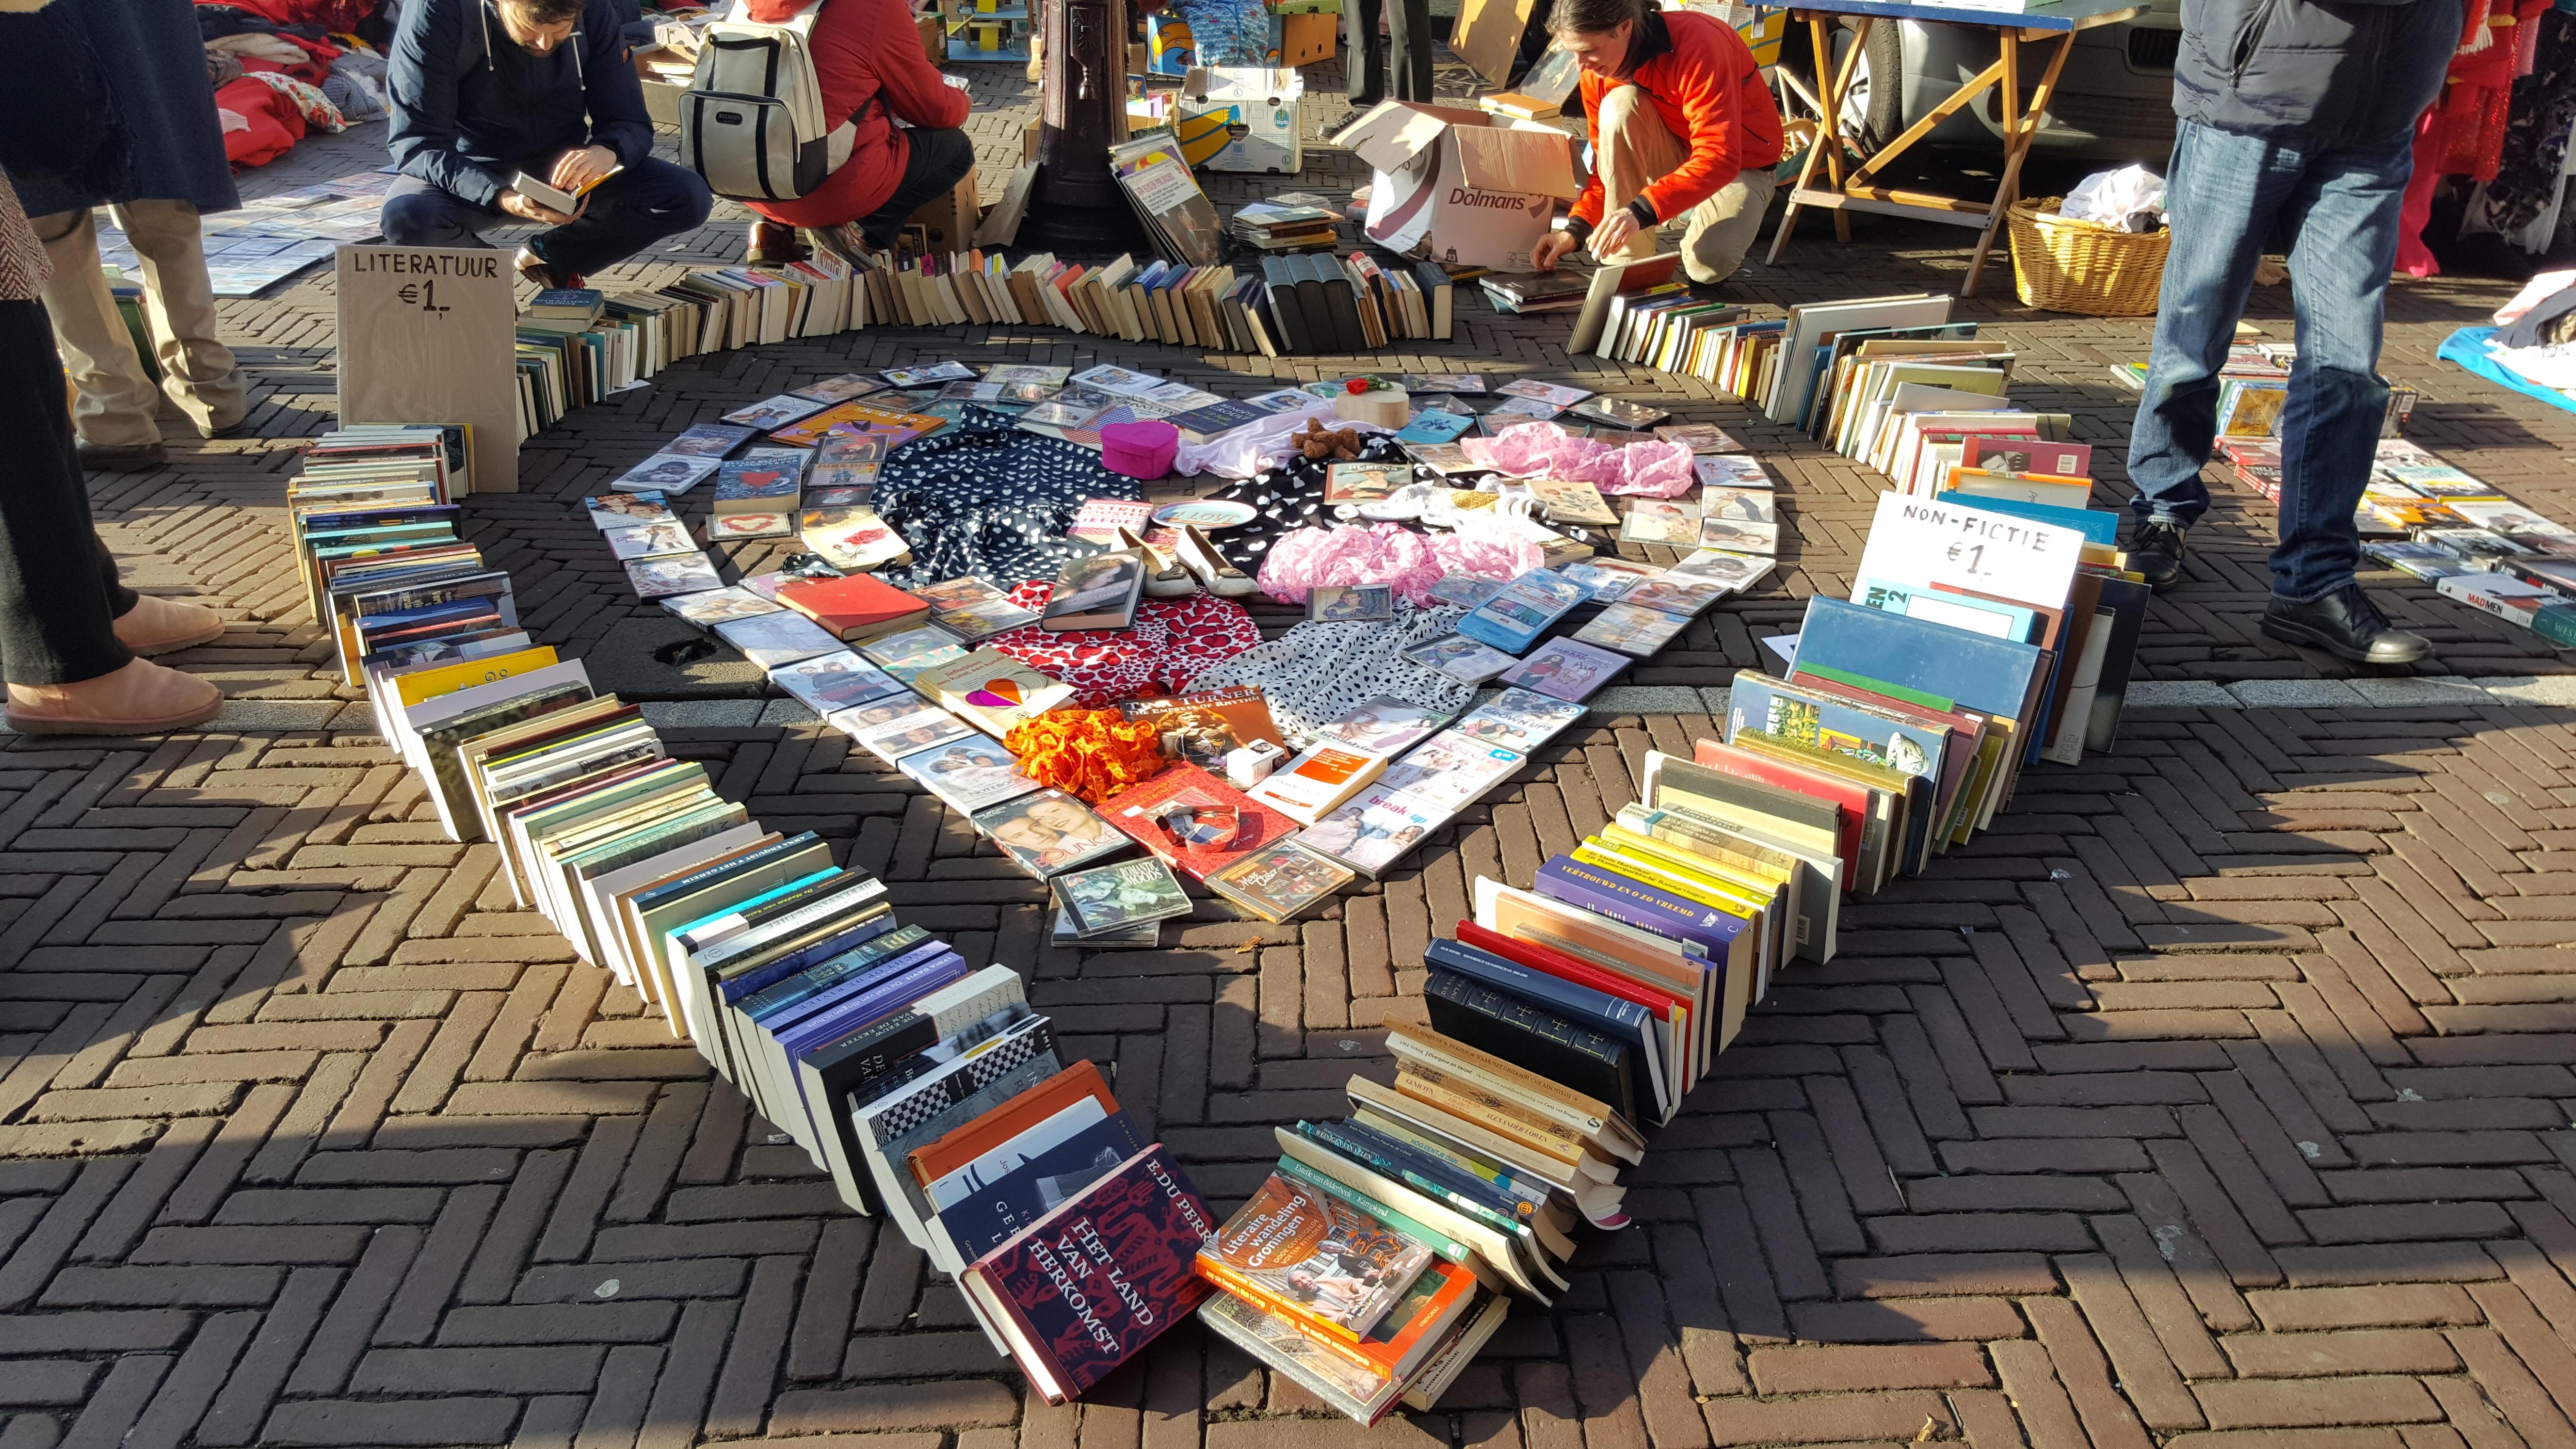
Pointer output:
x,y
868,57
1682,129
485,92
2296,122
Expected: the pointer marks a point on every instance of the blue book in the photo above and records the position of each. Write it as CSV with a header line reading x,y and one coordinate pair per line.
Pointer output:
x,y
1918,661
731,989
1994,618
862,999
990,1215
759,1004
1583,1005
1703,931
1514,619
2096,525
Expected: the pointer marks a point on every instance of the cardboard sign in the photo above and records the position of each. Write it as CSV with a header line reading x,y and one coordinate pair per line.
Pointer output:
x,y
1488,35
427,335
1923,543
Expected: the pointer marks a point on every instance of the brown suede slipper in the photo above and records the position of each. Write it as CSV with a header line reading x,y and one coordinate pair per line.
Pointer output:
x,y
51,724
153,647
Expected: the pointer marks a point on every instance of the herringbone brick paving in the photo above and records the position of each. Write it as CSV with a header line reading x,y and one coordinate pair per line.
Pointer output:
x,y
2220,1096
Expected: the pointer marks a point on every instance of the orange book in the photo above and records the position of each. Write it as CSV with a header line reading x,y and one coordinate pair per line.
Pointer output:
x,y
1394,1348
963,1144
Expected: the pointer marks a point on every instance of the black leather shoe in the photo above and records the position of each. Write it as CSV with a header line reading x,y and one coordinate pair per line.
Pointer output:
x,y
132,458
2345,624
2155,552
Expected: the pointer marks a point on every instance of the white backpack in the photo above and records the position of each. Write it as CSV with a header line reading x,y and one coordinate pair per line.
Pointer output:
x,y
752,121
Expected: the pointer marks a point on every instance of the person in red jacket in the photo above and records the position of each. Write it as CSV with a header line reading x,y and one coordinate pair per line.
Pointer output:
x,y
868,56
1682,129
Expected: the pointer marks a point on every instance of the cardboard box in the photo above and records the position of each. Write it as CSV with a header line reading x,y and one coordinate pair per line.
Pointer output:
x,y
948,220
934,37
1308,37
1460,186
1258,130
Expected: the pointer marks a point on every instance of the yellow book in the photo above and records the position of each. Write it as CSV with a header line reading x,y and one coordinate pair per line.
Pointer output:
x,y
426,684
1491,1112
1767,883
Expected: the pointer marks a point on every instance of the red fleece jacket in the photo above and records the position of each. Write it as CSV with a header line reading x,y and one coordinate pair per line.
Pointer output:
x,y
868,56
1705,86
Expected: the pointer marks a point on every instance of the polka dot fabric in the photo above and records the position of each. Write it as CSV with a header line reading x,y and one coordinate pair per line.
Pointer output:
x,y
1316,673
1172,643
981,497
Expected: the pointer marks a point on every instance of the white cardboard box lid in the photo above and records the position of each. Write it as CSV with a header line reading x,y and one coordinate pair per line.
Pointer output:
x,y
1275,84
1535,160
1393,133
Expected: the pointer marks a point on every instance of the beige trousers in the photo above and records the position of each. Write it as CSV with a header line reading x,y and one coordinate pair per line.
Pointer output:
x,y
1636,148
116,406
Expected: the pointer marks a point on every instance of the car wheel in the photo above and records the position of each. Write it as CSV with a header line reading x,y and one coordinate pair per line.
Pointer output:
x,y
1873,110
1874,107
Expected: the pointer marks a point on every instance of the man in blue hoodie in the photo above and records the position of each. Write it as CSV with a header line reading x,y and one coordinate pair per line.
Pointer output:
x,y
484,90
2297,123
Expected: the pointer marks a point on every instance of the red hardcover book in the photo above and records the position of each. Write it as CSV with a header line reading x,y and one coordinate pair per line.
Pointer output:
x,y
1556,963
1853,798
1195,822
855,606
1085,1288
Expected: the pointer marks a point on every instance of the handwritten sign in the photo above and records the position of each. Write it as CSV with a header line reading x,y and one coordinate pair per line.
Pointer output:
x,y
1919,542
427,335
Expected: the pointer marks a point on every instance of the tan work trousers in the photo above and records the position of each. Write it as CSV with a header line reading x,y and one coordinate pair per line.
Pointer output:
x,y
116,406
1636,148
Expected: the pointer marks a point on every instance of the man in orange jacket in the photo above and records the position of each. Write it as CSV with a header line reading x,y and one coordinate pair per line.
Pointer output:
x,y
1682,129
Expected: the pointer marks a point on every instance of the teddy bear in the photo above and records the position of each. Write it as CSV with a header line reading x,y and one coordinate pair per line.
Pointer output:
x,y
1324,445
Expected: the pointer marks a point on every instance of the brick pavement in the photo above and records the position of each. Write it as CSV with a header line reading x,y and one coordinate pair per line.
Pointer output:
x,y
2219,1097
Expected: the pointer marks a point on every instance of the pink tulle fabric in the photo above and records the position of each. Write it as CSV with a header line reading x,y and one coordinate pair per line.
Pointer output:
x,y
1385,553
1650,466
1377,553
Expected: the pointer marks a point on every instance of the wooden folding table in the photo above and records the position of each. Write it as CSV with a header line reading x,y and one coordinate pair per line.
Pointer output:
x,y
1858,190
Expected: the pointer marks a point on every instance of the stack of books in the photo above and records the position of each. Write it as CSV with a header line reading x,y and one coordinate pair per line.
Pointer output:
x,y
1271,226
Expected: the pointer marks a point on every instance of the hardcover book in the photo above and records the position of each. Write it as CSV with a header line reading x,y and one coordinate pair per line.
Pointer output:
x,y
1085,1288
853,607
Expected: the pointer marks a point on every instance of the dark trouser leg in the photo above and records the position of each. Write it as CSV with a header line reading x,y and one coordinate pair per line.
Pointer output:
x,y
1408,40
417,214
938,160
2223,193
2346,211
1363,53
630,211
59,597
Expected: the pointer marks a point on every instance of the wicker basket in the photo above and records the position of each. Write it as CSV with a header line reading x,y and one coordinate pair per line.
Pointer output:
x,y
2062,265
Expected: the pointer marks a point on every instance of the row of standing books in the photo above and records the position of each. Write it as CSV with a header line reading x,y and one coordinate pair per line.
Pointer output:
x,y
1571,1017
929,1089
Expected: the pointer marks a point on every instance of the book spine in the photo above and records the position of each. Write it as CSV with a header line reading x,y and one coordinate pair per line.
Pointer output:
x,y
834,971
1378,1162
1631,903
1473,1103
1509,1027
1576,1003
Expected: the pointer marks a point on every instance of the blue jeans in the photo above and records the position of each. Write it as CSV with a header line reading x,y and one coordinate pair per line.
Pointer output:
x,y
2227,195
630,211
